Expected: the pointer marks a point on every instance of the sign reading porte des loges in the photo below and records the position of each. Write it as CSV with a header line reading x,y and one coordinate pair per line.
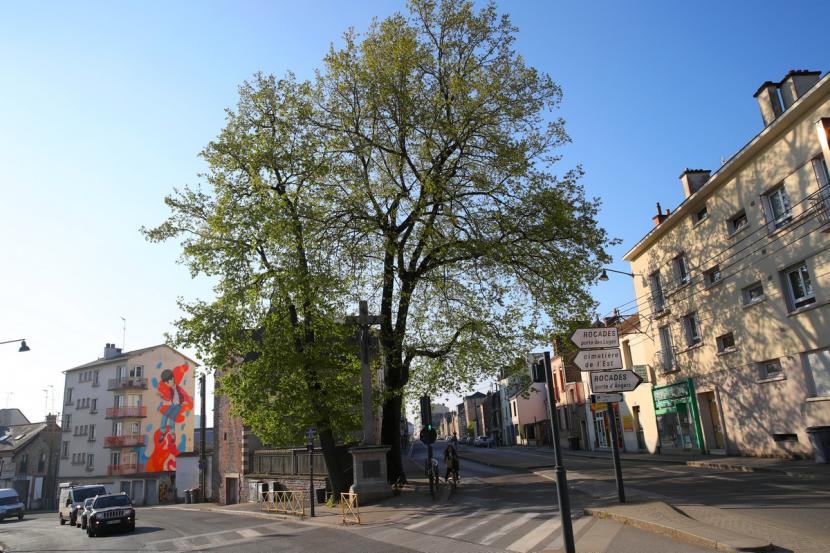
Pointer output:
x,y
595,338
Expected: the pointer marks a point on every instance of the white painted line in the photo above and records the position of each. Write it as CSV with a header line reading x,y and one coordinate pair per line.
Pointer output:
x,y
670,471
719,477
248,533
576,526
535,536
481,522
448,522
492,537
423,522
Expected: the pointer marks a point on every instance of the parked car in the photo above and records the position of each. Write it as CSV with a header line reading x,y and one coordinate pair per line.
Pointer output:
x,y
72,498
84,512
110,512
10,504
469,440
483,441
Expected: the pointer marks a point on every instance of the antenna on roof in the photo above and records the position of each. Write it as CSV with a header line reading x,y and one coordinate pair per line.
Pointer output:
x,y
124,335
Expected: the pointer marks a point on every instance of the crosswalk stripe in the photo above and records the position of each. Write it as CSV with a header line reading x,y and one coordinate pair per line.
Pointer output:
x,y
577,525
481,522
535,536
248,533
503,531
423,522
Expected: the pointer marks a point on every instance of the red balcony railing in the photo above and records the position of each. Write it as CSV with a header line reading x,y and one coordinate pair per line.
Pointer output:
x,y
130,440
118,412
125,468
127,382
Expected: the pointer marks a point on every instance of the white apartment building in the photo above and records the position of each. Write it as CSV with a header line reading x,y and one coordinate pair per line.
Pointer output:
x,y
733,288
126,418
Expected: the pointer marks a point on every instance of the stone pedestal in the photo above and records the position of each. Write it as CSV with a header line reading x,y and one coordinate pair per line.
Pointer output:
x,y
369,469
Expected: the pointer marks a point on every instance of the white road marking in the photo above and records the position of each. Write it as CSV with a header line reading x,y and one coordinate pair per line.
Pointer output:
x,y
535,536
481,522
492,537
719,477
576,526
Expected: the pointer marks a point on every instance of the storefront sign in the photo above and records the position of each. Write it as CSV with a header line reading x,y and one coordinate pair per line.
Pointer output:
x,y
628,423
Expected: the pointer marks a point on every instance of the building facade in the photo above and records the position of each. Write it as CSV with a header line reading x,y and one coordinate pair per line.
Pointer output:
x,y
733,288
126,419
29,461
570,396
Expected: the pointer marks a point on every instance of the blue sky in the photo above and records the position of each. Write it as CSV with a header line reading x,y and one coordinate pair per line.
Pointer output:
x,y
105,107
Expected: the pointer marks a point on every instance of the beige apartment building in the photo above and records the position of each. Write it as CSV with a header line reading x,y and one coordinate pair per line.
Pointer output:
x,y
127,417
733,288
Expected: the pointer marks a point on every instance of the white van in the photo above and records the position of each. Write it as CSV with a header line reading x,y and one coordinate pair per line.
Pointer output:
x,y
10,504
72,499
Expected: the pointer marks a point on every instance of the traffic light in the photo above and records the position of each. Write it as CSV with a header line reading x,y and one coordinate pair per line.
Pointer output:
x,y
426,411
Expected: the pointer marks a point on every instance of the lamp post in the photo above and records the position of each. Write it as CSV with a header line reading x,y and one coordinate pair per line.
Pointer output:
x,y
23,346
604,276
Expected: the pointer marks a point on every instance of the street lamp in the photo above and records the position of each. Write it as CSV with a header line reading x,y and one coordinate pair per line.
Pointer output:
x,y
604,276
23,346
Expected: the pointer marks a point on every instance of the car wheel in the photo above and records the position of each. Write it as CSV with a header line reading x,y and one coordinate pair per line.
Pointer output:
x,y
73,520
83,524
89,532
131,527
20,517
63,520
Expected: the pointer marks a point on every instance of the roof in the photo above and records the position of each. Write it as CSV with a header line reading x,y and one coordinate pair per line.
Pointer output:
x,y
16,436
630,325
125,356
720,177
12,416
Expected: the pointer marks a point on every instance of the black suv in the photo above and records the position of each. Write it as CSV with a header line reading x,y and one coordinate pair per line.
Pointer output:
x,y
110,511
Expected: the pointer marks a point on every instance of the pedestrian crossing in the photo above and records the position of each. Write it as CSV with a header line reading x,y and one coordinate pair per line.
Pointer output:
x,y
513,530
225,539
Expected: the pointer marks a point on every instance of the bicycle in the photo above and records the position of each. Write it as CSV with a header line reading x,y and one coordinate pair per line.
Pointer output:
x,y
431,469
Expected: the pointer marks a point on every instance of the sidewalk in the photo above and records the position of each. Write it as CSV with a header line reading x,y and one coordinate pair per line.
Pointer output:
x,y
502,457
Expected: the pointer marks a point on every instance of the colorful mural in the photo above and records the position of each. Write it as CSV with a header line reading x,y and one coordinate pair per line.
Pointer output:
x,y
161,449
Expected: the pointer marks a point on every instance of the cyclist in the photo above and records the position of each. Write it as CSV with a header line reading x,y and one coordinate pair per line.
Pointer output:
x,y
451,461
454,440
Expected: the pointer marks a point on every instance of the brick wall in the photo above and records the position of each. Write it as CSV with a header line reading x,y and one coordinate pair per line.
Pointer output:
x,y
227,449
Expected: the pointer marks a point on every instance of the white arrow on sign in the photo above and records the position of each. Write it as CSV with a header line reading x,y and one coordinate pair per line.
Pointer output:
x,y
606,398
603,382
595,338
598,359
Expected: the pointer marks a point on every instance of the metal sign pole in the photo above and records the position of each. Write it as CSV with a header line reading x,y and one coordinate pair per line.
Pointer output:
x,y
310,435
559,468
616,452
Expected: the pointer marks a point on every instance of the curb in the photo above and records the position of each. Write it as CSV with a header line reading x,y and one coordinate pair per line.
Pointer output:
x,y
695,538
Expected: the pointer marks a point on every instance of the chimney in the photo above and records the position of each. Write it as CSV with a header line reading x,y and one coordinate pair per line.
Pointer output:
x,y
110,351
660,217
693,180
769,102
796,84
51,419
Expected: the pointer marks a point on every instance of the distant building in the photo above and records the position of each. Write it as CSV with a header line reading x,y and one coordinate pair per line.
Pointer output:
x,y
570,393
11,417
29,460
733,290
528,404
126,419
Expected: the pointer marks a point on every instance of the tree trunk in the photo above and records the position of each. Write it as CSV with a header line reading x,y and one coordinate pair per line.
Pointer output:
x,y
336,470
391,435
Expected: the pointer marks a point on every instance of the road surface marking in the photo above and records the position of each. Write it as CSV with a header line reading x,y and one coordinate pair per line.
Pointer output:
x,y
492,537
670,471
576,526
535,536
447,522
249,533
719,477
481,522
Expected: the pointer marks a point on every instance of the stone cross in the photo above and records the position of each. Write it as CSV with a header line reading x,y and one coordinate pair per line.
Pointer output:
x,y
364,321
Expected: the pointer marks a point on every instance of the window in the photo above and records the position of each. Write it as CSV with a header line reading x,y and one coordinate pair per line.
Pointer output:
x,y
24,464
820,169
115,458
738,222
726,343
713,275
67,419
770,368
799,287
753,293
777,203
657,299
95,378
681,270
41,463
135,429
94,406
68,400
119,401
91,433
818,364
137,371
90,461
64,450
692,327
666,353
701,215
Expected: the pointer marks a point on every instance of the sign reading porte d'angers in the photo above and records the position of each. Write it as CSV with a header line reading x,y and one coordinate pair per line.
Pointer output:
x,y
595,338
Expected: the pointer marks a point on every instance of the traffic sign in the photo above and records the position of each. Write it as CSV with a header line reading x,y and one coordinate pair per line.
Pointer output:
x,y
596,338
598,359
428,435
603,382
606,398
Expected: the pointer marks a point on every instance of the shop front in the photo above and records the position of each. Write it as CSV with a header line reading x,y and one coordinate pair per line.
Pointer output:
x,y
678,423
602,425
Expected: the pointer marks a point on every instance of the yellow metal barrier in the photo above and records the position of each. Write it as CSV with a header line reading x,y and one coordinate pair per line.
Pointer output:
x,y
286,502
349,509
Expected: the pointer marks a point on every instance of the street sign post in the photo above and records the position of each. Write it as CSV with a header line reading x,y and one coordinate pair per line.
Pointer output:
x,y
606,398
604,382
598,359
595,338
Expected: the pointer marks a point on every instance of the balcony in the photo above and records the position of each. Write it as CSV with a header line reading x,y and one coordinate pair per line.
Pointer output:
x,y
124,468
130,382
126,412
128,440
